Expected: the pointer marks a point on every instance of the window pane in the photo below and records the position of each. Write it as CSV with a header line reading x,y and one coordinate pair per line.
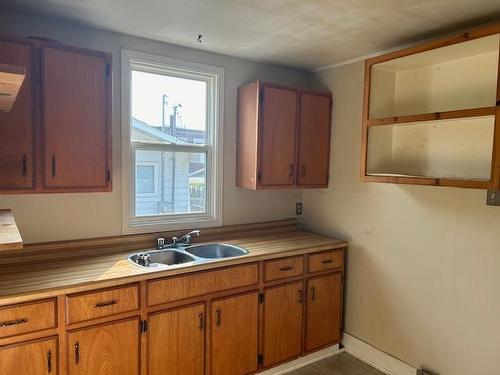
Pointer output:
x,y
168,109
182,185
145,179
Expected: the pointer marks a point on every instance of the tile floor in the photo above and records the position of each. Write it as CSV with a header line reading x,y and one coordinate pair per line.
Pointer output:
x,y
340,364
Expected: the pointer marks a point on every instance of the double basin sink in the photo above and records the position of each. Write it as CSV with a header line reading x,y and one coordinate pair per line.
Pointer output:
x,y
182,255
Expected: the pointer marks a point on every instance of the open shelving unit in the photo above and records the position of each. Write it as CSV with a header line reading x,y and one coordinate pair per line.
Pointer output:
x,y
431,113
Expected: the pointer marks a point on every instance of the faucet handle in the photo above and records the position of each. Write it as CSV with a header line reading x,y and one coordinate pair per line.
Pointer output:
x,y
160,242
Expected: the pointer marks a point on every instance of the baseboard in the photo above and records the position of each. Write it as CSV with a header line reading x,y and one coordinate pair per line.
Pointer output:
x,y
375,357
302,361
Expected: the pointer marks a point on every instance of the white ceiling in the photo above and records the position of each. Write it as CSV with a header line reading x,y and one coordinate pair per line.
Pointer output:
x,y
303,33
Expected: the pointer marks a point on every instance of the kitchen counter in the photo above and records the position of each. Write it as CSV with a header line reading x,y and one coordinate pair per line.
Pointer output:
x,y
48,270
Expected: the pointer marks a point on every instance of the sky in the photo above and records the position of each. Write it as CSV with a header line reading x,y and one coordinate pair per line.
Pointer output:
x,y
148,90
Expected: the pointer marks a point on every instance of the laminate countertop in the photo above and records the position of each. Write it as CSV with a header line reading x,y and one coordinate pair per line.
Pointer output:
x,y
54,273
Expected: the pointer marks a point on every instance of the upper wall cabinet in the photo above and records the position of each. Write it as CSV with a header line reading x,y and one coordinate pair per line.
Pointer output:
x,y
431,113
57,137
283,137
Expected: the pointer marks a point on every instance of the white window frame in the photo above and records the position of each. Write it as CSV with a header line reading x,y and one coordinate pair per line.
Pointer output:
x,y
214,76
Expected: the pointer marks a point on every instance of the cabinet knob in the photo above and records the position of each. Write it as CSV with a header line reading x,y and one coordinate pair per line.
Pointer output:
x,y
77,353
201,322
290,170
302,170
218,318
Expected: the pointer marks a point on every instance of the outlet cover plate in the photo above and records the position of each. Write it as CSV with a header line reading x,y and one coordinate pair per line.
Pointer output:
x,y
493,198
298,208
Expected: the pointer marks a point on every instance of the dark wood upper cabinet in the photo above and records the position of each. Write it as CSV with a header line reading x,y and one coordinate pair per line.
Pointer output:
x,y
283,137
57,136
17,147
75,134
314,139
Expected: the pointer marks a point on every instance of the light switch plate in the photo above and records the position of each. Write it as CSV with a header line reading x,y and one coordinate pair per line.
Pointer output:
x,y
493,198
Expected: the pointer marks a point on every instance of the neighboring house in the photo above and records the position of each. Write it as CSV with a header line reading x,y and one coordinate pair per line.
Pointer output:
x,y
168,182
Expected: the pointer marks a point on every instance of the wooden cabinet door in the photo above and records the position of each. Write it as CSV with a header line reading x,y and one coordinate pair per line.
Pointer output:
x,y
233,337
314,139
75,119
110,349
17,160
323,310
30,358
277,136
282,326
176,341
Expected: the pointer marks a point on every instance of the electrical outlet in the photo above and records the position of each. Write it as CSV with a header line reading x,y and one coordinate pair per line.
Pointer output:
x,y
298,208
493,198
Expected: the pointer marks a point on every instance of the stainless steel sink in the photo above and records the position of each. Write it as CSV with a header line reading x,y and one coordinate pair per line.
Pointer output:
x,y
168,257
182,255
215,251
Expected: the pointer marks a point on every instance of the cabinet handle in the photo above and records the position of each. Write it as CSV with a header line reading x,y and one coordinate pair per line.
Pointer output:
x,y
286,268
49,361
77,353
200,326
218,319
301,296
290,170
25,165
302,170
326,261
313,293
15,322
53,165
104,304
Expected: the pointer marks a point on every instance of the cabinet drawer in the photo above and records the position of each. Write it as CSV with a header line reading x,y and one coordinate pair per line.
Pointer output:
x,y
283,268
326,260
102,303
182,287
27,317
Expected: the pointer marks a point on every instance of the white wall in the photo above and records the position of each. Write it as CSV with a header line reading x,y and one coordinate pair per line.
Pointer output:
x,y
71,216
423,268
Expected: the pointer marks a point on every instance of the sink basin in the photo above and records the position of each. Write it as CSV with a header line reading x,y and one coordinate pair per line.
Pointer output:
x,y
216,250
161,257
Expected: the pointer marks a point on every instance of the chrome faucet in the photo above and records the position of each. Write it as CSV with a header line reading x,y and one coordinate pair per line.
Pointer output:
x,y
186,239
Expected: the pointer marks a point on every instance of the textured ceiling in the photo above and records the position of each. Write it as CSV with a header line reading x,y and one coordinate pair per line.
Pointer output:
x,y
303,33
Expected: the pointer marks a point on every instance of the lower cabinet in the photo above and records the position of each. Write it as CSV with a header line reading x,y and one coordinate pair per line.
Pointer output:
x,y
30,358
282,324
108,349
323,324
176,341
234,334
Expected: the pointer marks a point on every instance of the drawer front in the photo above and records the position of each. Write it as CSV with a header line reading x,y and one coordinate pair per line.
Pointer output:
x,y
102,303
283,268
27,317
326,260
198,284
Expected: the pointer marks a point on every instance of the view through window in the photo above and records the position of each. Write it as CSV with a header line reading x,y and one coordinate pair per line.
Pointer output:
x,y
169,137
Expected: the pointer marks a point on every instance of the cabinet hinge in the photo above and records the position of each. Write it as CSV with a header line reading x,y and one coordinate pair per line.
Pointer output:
x,y
143,326
259,176
108,175
261,297
261,96
260,359
108,69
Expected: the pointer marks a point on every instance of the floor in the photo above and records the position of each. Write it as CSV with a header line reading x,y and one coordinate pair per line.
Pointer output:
x,y
340,364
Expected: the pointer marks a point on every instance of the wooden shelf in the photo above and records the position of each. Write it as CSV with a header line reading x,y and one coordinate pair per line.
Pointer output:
x,y
420,180
10,238
463,113
11,79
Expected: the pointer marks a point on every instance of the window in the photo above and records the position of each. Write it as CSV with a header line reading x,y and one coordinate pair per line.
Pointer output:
x,y
172,154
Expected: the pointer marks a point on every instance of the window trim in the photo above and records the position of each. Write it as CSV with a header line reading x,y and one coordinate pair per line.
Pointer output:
x,y
131,60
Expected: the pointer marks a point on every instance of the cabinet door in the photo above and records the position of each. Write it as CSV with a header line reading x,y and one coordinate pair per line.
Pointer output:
x,y
30,358
323,311
277,136
283,310
110,349
76,136
176,341
17,126
314,139
233,341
